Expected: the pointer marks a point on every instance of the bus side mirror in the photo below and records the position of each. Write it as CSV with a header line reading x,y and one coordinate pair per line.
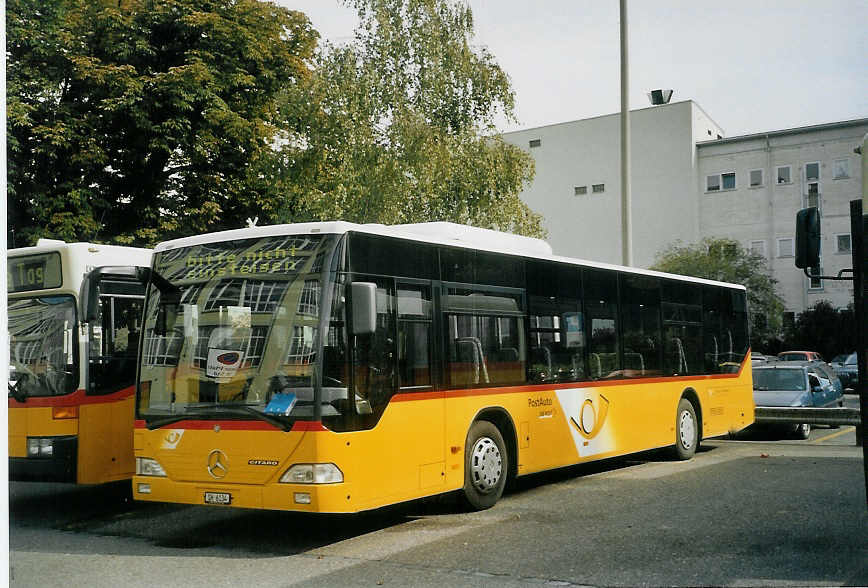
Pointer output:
x,y
89,297
364,297
808,238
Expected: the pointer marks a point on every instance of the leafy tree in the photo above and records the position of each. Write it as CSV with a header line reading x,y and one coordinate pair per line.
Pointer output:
x,y
139,120
825,329
402,126
726,261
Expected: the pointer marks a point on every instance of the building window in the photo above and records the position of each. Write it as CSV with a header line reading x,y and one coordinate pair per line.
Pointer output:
x,y
844,243
712,183
756,178
814,282
812,198
718,182
535,143
598,188
579,190
841,169
812,171
785,247
758,248
783,173
789,320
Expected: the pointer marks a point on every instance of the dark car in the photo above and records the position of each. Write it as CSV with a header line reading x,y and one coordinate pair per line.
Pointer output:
x,y
795,383
847,370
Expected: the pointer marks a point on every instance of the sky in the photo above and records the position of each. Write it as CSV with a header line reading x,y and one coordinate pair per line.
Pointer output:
x,y
752,65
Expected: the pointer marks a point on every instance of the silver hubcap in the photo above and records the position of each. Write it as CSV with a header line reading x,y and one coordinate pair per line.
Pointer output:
x,y
686,429
486,464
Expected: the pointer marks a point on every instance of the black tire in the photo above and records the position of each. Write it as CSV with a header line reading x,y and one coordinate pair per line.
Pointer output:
x,y
486,465
802,431
686,430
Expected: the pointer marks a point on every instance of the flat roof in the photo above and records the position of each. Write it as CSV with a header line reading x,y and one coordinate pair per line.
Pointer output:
x,y
783,132
579,120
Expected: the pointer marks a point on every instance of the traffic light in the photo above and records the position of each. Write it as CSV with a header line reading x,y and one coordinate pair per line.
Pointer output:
x,y
808,238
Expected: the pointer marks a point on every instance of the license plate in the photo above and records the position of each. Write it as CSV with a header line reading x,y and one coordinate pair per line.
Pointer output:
x,y
218,498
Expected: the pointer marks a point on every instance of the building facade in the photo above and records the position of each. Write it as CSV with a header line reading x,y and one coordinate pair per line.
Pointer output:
x,y
752,186
690,182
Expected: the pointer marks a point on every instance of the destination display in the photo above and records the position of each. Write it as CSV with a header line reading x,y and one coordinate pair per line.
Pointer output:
x,y
34,272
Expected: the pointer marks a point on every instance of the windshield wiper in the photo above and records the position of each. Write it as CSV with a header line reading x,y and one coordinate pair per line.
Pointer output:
x,y
193,412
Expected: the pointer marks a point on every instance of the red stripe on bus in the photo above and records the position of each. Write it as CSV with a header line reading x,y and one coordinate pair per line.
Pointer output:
x,y
77,398
428,395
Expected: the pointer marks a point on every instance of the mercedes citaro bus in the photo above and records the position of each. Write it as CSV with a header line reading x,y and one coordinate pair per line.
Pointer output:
x,y
335,367
75,317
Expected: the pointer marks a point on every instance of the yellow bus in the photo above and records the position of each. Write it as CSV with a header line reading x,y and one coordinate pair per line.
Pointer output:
x,y
72,377
334,367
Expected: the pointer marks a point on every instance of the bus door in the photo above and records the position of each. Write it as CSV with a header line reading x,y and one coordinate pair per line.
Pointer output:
x,y
393,377
114,325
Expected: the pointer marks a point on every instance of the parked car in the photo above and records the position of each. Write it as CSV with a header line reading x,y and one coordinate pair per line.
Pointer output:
x,y
847,370
758,358
795,383
800,356
827,374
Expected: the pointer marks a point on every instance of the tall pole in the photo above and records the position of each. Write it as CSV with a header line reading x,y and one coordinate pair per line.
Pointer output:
x,y
626,198
859,234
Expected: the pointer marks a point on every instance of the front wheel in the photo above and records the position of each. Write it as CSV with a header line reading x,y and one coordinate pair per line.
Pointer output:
x,y
686,430
802,431
485,465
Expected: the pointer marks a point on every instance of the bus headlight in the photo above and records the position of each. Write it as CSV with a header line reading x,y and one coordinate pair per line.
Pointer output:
x,y
312,473
145,466
40,447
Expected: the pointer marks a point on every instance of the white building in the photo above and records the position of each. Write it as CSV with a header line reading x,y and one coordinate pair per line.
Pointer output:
x,y
688,182
752,186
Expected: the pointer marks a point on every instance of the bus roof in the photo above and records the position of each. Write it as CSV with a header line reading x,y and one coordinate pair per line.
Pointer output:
x,y
49,245
438,233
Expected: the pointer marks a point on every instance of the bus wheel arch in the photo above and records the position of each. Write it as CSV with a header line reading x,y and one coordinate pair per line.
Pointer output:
x,y
688,425
489,458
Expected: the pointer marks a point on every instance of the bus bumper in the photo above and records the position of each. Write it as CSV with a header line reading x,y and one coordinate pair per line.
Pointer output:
x,y
61,466
326,498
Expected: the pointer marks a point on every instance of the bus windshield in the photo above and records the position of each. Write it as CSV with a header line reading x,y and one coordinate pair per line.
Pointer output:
x,y
231,330
42,347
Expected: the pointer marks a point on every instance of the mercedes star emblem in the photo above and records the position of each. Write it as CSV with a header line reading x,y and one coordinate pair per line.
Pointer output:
x,y
217,464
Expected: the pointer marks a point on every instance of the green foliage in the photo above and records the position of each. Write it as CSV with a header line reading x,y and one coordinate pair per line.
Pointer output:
x,y
725,260
825,329
136,120
402,126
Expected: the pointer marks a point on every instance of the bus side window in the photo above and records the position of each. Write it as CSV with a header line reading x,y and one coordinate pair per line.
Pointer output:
x,y
414,336
681,305
601,310
556,328
485,341
640,323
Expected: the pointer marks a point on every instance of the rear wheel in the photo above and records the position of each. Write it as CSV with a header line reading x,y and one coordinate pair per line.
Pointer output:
x,y
686,430
485,465
802,431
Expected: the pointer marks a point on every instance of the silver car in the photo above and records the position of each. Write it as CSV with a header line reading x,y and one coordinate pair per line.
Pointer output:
x,y
795,383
